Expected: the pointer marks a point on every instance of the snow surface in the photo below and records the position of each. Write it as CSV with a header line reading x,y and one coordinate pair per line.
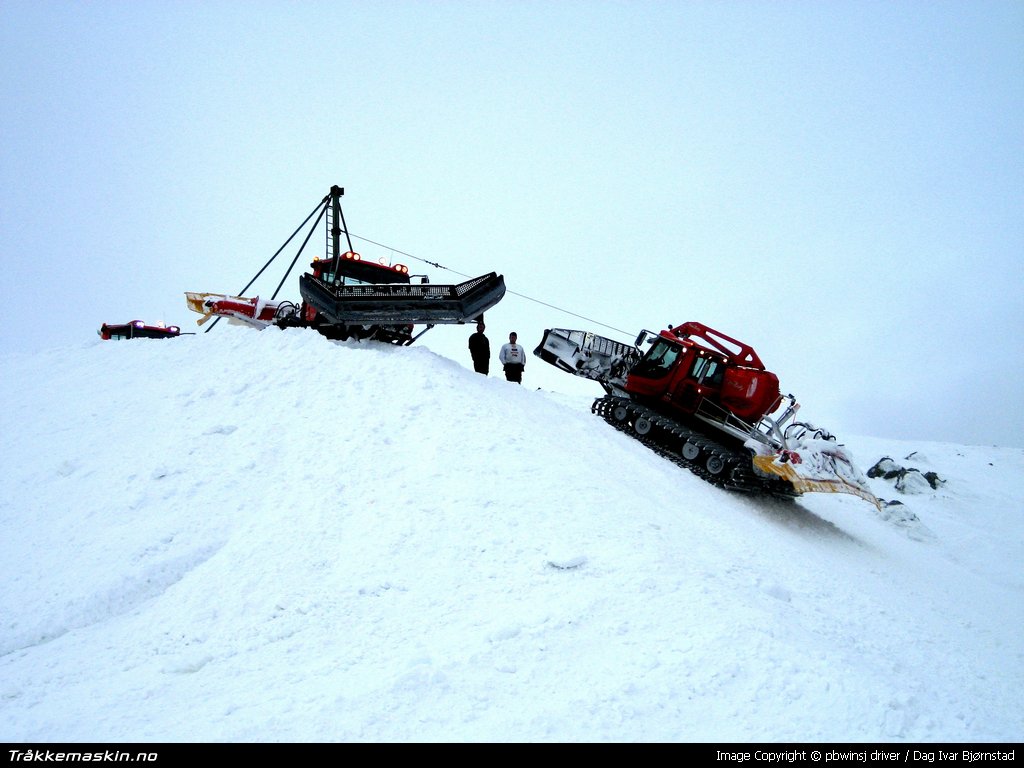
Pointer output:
x,y
249,536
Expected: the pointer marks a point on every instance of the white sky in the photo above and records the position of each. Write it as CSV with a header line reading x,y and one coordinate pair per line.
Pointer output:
x,y
839,184
251,536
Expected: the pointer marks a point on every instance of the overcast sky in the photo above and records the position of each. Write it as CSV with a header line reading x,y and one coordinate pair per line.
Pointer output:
x,y
839,184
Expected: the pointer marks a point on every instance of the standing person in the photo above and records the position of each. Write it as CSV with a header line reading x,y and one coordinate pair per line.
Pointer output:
x,y
480,349
513,357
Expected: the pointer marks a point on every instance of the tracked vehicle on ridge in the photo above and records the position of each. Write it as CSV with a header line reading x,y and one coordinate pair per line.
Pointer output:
x,y
344,296
706,401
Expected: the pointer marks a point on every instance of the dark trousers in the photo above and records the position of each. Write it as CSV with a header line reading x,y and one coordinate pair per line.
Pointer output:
x,y
481,366
514,372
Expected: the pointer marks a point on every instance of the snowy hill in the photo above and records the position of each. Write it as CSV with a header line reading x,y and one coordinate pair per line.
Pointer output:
x,y
268,536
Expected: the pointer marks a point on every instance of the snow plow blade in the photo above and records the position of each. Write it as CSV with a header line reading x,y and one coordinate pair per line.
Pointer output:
x,y
423,304
817,473
239,310
588,355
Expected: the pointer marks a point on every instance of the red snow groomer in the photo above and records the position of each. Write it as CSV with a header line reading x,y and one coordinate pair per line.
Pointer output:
x,y
345,296
706,401
350,270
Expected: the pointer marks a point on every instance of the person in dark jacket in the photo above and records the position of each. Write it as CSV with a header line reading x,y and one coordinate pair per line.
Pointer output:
x,y
480,349
513,358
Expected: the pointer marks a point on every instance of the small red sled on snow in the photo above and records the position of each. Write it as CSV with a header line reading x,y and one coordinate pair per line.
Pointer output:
x,y
137,329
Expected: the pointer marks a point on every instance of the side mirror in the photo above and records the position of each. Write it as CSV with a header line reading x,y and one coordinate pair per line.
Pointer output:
x,y
640,339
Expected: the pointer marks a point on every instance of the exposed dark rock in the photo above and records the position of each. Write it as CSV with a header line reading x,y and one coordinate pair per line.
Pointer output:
x,y
906,479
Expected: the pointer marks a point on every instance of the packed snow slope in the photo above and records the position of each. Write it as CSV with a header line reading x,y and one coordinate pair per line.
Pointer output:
x,y
252,536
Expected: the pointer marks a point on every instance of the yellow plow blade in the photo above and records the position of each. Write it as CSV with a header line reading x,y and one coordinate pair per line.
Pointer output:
x,y
196,302
805,484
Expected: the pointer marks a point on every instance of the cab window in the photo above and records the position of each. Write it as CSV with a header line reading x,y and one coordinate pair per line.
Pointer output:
x,y
328,276
708,371
659,359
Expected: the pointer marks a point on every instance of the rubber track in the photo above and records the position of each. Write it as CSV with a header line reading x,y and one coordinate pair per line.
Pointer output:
x,y
667,437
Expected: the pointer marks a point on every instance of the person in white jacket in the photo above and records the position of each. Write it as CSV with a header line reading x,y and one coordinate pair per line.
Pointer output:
x,y
513,358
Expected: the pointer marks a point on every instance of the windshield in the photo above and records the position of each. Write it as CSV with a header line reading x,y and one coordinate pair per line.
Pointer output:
x,y
659,360
328,277
361,273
